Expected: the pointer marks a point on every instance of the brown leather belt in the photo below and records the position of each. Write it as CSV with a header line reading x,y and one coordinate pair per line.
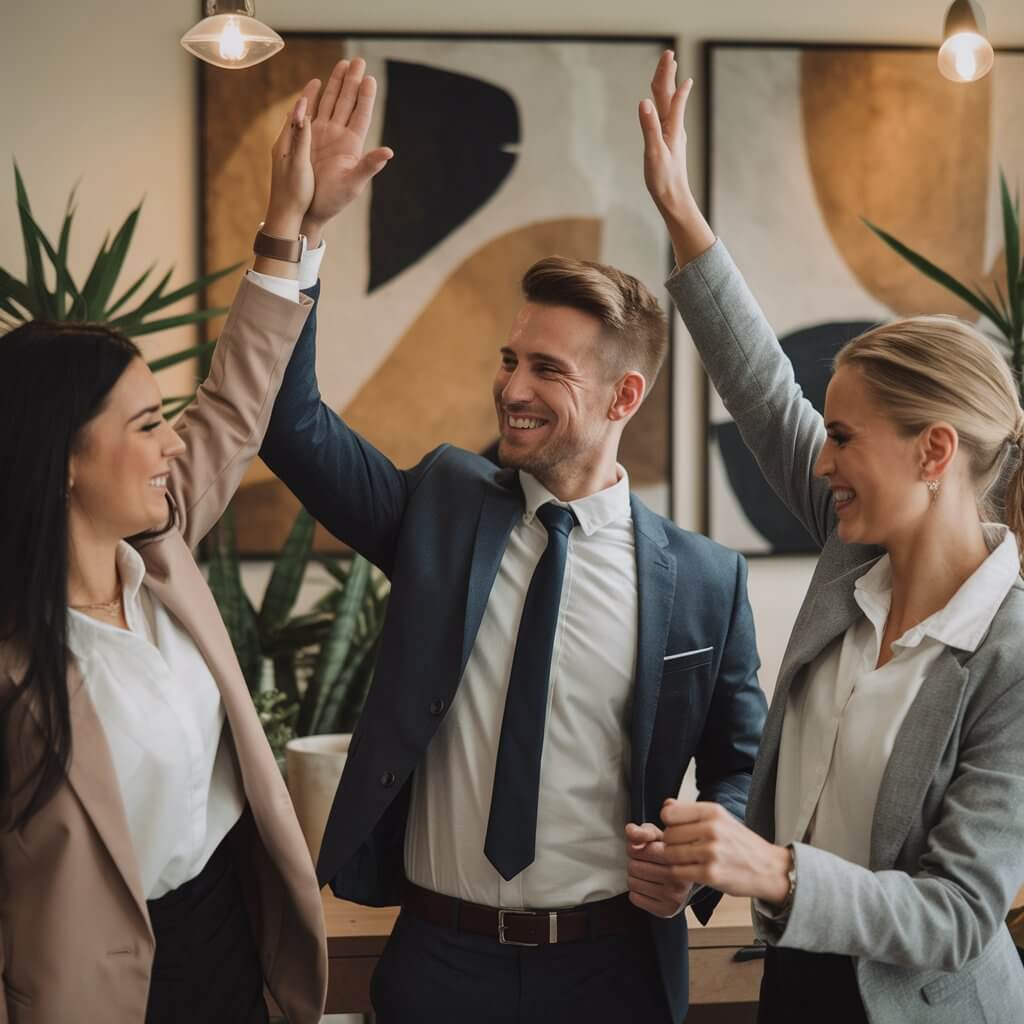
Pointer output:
x,y
525,927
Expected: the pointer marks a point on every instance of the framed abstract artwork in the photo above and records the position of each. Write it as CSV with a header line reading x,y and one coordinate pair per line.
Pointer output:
x,y
508,149
806,142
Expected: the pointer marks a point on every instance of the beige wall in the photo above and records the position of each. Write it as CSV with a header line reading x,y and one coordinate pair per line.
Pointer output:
x,y
99,91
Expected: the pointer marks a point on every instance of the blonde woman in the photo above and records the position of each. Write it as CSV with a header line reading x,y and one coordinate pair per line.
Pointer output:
x,y
886,832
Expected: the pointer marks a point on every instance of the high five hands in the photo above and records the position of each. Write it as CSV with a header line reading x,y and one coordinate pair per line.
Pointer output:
x,y
662,122
702,844
341,120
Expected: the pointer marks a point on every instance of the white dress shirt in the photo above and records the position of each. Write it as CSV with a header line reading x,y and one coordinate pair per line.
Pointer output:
x,y
583,803
164,722
843,714
161,711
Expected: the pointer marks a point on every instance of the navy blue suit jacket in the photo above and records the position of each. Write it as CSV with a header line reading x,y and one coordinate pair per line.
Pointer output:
x,y
438,531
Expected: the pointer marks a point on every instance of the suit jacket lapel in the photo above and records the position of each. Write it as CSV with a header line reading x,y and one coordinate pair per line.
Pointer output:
x,y
501,508
92,776
915,756
832,612
656,589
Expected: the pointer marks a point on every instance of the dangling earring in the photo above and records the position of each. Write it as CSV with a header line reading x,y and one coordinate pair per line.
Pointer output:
x,y
933,488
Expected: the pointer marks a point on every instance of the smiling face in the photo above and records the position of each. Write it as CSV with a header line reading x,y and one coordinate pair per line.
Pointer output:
x,y
118,473
873,468
553,395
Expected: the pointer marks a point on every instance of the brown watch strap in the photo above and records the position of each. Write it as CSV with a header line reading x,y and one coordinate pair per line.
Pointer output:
x,y
288,250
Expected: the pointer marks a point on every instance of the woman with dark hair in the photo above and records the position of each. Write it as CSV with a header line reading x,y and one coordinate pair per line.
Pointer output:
x,y
151,867
884,840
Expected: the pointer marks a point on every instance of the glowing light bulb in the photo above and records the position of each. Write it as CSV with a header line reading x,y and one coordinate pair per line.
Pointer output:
x,y
232,43
965,62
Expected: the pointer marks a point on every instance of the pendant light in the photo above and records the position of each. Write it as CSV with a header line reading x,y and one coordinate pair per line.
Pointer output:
x,y
966,54
230,37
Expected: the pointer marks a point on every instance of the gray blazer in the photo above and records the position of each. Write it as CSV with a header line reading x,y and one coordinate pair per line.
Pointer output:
x,y
925,921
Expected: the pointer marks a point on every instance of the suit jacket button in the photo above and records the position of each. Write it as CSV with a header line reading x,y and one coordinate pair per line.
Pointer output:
x,y
387,779
436,706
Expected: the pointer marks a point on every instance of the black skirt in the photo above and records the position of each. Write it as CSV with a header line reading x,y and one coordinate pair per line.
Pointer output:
x,y
206,969
809,988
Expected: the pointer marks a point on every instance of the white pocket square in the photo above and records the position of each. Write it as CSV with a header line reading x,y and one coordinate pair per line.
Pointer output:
x,y
686,654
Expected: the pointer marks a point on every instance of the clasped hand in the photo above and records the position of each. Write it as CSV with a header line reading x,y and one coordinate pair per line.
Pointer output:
x,y
701,844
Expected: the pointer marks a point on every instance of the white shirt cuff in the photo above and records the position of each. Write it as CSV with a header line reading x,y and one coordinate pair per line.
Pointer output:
x,y
286,287
309,268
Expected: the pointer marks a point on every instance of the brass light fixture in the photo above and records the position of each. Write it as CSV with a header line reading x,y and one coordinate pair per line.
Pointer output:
x,y
966,54
229,36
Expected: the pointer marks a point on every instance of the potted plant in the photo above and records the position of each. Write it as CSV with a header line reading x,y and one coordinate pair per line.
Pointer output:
x,y
94,300
308,673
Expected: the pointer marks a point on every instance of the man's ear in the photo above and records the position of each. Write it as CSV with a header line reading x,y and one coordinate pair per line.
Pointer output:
x,y
629,393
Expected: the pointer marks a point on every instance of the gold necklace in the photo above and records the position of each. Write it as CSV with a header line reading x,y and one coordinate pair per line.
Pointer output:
x,y
106,607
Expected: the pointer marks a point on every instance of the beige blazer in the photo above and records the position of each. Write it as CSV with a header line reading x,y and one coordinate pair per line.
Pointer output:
x,y
77,946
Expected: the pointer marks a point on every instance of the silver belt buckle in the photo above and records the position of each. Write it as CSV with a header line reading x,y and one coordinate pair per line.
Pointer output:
x,y
552,927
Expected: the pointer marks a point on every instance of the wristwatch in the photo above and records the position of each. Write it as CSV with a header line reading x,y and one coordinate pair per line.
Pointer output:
x,y
289,250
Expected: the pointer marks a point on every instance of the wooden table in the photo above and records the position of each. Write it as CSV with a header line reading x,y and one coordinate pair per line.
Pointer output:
x,y
722,991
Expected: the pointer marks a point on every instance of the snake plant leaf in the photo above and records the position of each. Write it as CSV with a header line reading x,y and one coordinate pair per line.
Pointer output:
x,y
348,691
335,649
285,677
940,276
287,575
225,580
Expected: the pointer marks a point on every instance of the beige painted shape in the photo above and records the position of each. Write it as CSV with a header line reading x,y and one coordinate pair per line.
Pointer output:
x,y
889,139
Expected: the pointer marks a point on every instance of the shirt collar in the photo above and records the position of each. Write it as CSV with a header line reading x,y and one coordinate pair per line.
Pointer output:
x,y
965,620
593,512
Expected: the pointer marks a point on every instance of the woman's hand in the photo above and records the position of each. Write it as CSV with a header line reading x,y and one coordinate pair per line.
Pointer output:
x,y
652,886
705,844
665,162
291,175
340,167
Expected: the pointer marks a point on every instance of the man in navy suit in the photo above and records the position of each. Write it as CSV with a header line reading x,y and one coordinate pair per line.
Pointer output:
x,y
554,656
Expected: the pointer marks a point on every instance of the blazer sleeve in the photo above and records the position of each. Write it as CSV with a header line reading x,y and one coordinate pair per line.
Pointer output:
x,y
732,730
222,429
343,481
947,912
755,380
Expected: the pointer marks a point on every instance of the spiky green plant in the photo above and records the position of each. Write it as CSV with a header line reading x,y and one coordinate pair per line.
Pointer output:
x,y
94,300
321,662
1005,309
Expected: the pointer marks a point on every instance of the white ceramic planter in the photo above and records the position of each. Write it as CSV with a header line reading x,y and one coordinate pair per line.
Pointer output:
x,y
314,768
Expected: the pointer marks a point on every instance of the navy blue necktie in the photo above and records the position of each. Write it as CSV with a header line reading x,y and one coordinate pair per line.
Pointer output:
x,y
512,826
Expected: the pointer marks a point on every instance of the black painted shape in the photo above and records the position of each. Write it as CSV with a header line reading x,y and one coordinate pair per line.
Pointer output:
x,y
448,132
811,352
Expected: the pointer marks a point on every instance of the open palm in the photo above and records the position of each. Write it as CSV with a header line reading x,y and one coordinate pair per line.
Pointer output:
x,y
340,167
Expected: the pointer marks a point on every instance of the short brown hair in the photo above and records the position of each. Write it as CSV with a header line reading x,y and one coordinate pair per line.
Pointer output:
x,y
635,327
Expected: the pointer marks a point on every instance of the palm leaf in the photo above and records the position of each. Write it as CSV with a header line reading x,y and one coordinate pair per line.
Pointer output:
x,y
107,268
196,317
179,357
35,281
940,276
131,290
1011,235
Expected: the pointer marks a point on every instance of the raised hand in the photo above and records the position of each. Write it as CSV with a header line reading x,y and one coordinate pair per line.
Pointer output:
x,y
665,161
652,885
340,167
291,174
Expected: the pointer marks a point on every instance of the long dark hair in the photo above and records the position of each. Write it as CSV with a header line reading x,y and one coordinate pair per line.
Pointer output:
x,y
54,378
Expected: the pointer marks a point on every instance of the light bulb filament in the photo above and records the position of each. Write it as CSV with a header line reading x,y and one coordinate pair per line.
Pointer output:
x,y
232,42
